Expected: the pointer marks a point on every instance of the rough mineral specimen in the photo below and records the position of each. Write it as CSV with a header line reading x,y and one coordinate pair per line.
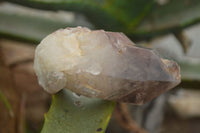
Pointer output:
x,y
102,64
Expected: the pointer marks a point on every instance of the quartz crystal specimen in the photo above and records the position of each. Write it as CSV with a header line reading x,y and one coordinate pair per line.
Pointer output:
x,y
102,64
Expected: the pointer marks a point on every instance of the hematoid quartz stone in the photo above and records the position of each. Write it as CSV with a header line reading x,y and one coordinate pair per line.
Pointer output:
x,y
102,64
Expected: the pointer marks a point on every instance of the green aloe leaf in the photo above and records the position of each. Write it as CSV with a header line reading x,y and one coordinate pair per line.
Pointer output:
x,y
114,15
28,25
70,113
136,18
190,74
190,71
169,17
6,102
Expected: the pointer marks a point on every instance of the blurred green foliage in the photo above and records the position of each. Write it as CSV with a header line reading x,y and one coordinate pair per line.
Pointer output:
x,y
137,18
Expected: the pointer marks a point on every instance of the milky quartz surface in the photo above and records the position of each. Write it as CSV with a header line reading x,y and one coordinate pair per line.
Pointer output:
x,y
102,64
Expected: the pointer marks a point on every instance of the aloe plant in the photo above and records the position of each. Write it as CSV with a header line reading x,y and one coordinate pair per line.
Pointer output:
x,y
70,113
24,25
107,14
143,19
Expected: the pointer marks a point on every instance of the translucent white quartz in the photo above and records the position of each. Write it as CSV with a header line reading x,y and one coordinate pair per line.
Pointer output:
x,y
102,64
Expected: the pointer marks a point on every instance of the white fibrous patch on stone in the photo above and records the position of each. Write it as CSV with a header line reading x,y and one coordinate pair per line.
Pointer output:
x,y
102,64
